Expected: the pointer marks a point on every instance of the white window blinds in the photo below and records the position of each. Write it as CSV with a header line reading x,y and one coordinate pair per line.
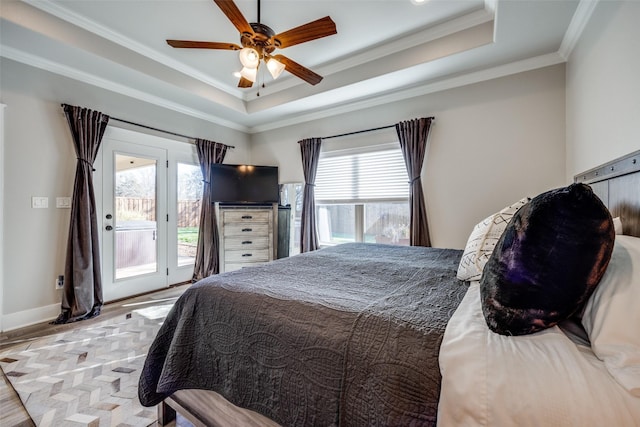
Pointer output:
x,y
362,177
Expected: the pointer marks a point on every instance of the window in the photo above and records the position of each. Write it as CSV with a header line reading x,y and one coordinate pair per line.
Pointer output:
x,y
363,196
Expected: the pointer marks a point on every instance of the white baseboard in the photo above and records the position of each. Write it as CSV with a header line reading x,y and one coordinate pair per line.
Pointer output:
x,y
29,317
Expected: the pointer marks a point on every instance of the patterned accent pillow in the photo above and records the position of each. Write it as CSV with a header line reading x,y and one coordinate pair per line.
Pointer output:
x,y
483,239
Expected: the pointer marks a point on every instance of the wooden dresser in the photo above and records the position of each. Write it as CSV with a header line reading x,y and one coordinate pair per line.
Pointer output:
x,y
246,236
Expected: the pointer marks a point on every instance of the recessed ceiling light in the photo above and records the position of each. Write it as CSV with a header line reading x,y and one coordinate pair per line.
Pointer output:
x,y
418,2
237,74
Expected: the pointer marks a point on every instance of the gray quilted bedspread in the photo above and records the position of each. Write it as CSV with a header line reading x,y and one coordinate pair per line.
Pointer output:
x,y
347,335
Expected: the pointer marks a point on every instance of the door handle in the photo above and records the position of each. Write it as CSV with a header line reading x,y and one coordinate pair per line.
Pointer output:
x,y
108,228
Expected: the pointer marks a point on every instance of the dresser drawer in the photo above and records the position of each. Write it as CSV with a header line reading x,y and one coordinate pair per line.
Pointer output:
x,y
249,255
252,216
246,242
252,229
246,237
238,266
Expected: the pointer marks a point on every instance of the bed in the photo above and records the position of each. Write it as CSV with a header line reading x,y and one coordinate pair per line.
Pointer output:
x,y
363,334
323,338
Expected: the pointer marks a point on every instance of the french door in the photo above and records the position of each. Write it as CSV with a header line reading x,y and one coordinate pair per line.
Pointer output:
x,y
143,234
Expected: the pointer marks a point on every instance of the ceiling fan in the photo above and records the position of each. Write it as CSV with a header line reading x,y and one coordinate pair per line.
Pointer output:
x,y
259,42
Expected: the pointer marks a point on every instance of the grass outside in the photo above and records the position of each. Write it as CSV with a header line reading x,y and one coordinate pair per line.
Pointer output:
x,y
188,235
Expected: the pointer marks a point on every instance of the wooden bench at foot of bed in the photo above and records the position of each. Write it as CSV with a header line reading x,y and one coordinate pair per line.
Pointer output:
x,y
205,408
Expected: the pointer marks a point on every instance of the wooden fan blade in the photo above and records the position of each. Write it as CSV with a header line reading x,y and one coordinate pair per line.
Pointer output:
x,y
298,70
236,17
313,30
245,82
202,45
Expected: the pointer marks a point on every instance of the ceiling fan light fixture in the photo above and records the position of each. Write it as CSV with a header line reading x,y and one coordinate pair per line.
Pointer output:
x,y
249,73
275,67
258,41
249,57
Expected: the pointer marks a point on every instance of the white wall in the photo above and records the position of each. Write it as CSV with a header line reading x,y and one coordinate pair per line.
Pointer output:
x,y
39,160
492,143
603,88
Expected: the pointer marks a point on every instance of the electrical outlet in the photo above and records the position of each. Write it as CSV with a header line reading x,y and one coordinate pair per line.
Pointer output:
x,y
38,202
63,202
60,282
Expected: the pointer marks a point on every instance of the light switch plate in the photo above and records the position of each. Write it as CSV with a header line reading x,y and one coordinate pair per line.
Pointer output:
x,y
63,202
38,202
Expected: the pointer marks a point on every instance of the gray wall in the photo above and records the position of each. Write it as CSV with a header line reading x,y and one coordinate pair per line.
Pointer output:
x,y
603,88
492,143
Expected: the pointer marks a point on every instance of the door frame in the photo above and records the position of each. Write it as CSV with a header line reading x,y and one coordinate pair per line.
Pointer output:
x,y
177,151
2,107
177,274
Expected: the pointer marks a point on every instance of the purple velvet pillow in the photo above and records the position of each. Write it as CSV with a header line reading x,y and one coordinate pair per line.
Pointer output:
x,y
547,262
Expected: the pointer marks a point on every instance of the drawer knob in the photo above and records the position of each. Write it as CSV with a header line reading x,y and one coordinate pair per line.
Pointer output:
x,y
247,229
247,242
247,217
245,255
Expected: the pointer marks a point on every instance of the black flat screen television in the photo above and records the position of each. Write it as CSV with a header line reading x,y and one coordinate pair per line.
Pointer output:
x,y
244,184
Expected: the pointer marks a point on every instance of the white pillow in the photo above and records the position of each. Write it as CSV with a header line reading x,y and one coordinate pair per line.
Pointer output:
x,y
617,225
483,239
612,315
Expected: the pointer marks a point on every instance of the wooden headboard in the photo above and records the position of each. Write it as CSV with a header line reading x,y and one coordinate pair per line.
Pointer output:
x,y
617,183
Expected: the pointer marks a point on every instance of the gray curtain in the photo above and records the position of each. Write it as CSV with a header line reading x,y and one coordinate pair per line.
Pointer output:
x,y
310,149
82,291
207,258
413,136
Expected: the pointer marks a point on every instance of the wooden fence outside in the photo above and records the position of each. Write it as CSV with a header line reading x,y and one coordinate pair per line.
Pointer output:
x,y
145,209
189,213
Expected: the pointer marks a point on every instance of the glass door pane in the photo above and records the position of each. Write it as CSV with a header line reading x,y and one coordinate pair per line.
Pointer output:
x,y
291,195
189,185
134,217
136,226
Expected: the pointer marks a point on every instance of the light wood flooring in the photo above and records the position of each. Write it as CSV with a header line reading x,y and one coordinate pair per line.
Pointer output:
x,y
11,409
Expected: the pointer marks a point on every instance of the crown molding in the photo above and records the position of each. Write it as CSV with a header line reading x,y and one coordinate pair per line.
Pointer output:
x,y
440,30
59,11
427,35
72,73
412,92
576,27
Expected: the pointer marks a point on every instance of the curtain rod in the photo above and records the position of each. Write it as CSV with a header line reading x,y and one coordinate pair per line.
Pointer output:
x,y
152,128
156,129
363,131
358,131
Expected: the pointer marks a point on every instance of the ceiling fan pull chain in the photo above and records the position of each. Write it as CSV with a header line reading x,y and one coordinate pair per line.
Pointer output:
x,y
261,76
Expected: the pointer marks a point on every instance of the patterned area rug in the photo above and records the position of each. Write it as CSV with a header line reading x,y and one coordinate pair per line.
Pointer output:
x,y
87,377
